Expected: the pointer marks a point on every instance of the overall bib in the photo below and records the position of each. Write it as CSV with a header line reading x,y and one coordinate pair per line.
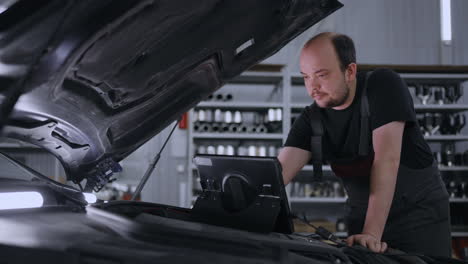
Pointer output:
x,y
418,221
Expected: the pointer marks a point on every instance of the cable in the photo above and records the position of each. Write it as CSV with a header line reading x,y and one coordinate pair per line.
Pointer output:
x,y
321,231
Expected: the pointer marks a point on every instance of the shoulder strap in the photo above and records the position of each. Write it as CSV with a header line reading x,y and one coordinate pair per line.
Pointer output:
x,y
365,113
316,142
317,132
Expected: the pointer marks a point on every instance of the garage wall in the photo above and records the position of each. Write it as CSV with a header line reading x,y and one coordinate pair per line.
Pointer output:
x,y
389,32
459,32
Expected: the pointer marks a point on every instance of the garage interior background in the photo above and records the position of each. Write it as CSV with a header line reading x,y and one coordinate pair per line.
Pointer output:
x,y
397,32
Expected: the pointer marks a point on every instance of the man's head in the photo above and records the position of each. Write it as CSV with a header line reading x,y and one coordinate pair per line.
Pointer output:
x,y
328,65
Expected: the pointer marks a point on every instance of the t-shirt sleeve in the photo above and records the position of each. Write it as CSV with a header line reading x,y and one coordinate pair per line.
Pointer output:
x,y
389,99
300,133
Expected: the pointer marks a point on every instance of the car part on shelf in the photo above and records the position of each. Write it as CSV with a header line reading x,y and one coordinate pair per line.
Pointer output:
x,y
215,127
271,151
424,93
218,116
201,115
242,151
220,150
439,96
262,151
201,149
448,154
228,117
252,151
279,115
211,150
230,150
261,129
237,117
233,128
208,115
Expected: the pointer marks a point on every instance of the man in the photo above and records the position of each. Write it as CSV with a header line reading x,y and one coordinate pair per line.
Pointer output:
x,y
396,196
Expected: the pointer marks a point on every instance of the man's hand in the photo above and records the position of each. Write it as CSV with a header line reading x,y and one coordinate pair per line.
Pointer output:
x,y
368,241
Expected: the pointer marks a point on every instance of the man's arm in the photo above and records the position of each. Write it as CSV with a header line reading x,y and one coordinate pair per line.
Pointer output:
x,y
387,141
292,160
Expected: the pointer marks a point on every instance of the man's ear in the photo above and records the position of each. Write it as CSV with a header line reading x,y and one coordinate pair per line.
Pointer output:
x,y
351,72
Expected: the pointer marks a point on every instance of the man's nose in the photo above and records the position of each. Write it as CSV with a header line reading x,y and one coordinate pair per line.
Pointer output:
x,y
312,85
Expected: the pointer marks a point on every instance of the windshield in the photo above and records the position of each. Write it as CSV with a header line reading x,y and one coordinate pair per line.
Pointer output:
x,y
25,172
30,155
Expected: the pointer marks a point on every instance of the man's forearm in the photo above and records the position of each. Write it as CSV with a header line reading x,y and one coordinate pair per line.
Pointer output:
x,y
382,188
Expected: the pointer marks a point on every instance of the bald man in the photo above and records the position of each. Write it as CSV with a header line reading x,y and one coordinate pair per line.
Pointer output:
x,y
396,197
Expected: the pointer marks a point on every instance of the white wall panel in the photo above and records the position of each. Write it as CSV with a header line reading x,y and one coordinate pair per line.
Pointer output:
x,y
460,32
385,32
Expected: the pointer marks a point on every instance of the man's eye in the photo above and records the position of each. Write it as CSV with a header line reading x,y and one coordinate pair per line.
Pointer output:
x,y
322,75
306,77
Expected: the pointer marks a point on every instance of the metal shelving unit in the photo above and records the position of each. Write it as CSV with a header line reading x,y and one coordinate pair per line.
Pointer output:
x,y
434,76
237,136
447,138
450,108
275,79
239,105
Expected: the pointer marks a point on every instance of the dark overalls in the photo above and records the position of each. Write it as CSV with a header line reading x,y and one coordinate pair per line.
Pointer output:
x,y
418,221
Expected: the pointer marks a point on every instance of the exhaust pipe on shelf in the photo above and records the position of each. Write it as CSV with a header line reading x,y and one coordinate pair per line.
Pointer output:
x,y
206,128
233,128
251,129
261,129
243,129
215,128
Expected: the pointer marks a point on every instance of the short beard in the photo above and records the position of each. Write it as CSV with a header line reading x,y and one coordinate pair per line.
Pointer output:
x,y
340,100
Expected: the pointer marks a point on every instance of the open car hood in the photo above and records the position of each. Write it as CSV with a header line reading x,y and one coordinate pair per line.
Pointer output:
x,y
111,74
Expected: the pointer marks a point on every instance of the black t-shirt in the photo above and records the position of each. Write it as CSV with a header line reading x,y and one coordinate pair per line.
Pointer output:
x,y
389,100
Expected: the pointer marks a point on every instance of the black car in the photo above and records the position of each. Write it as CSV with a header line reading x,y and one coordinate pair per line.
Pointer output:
x,y
92,80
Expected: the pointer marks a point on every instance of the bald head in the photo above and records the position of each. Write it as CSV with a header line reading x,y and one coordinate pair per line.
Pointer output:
x,y
327,65
343,47
324,36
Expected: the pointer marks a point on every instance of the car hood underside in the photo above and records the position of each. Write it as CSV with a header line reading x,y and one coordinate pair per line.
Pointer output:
x,y
103,77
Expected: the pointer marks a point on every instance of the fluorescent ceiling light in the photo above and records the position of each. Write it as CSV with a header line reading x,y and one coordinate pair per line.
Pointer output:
x,y
446,21
20,200
5,4
90,197
3,8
